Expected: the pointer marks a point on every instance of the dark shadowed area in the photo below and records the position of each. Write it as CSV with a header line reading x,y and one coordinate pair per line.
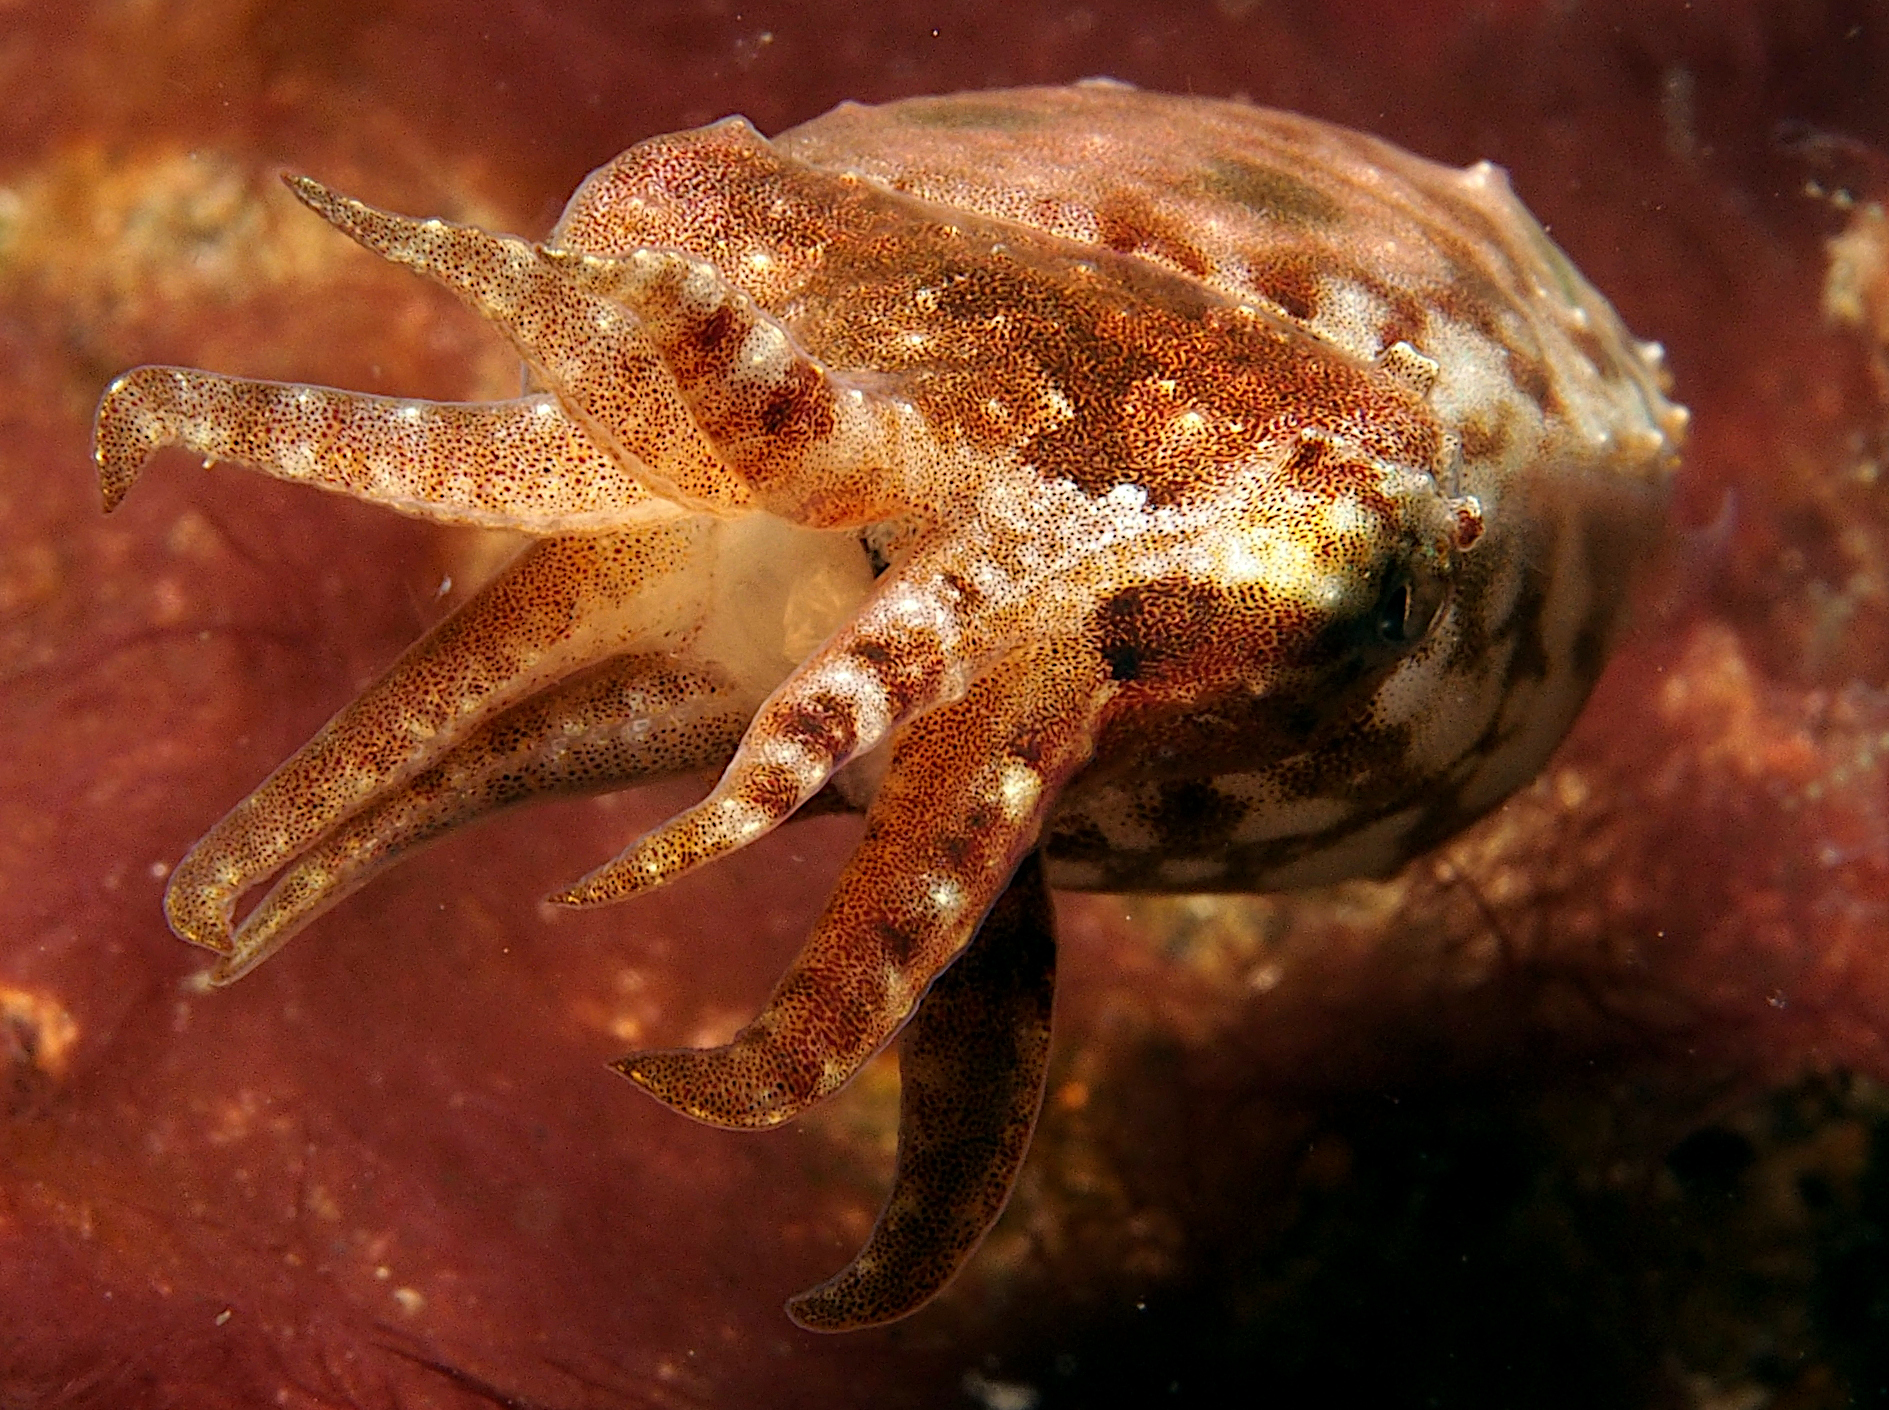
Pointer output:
x,y
1586,1110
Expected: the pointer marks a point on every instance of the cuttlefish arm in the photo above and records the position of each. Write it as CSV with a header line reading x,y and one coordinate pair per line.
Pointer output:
x,y
562,605
971,1068
629,720
964,800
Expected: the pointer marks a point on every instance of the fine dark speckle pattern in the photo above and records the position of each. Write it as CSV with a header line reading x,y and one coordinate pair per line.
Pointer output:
x,y
1094,487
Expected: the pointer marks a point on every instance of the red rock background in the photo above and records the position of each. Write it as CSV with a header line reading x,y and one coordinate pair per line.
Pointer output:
x,y
1584,1111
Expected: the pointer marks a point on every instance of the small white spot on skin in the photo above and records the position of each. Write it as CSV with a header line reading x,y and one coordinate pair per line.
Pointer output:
x,y
945,894
833,1073
299,460
1346,517
1018,788
764,352
1483,176
1182,431
1409,366
1281,561
701,289
907,606
792,755
760,261
741,820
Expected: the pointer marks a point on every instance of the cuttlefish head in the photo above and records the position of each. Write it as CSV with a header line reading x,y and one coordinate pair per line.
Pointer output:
x,y
1254,630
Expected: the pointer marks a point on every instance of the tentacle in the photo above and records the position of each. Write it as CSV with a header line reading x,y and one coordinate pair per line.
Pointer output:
x,y
520,465
814,445
631,720
561,604
913,647
588,350
962,803
971,1068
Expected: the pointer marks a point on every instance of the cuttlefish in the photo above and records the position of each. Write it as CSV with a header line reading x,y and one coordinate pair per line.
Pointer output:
x,y
1094,488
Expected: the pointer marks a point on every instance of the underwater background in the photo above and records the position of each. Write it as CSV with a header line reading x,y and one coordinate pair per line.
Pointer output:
x,y
1586,1109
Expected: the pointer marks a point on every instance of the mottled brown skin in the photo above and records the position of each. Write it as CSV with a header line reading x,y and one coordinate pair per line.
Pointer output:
x,y
1133,491
971,1067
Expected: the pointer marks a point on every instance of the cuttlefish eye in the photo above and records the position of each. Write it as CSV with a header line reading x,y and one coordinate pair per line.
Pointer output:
x,y
1408,604
1415,581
